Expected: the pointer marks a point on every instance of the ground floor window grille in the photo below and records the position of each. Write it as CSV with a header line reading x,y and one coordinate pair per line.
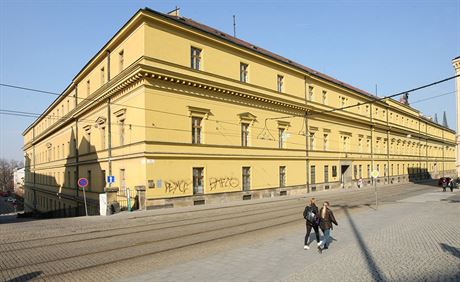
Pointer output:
x,y
246,178
197,180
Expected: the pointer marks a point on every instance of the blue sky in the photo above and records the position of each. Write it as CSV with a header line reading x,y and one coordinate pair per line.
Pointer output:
x,y
397,45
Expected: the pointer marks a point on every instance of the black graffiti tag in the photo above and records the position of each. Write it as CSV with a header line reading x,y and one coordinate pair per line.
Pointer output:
x,y
223,182
179,186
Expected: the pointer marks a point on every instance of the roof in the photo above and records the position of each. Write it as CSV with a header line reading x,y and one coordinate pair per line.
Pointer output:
x,y
254,48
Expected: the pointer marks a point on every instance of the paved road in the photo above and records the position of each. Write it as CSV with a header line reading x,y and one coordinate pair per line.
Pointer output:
x,y
256,241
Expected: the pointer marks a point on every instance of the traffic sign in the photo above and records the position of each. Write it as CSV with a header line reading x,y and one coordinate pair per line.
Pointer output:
x,y
375,173
82,182
110,179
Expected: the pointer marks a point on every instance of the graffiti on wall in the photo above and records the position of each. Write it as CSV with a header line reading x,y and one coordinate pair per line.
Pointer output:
x,y
223,182
177,186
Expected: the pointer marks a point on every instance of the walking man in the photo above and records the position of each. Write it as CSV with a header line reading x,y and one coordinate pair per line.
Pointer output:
x,y
311,218
326,220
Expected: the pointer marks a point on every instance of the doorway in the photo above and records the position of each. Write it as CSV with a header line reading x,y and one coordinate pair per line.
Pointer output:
x,y
345,175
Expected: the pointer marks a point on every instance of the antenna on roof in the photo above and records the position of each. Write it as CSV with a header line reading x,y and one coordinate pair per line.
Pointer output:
x,y
174,12
234,26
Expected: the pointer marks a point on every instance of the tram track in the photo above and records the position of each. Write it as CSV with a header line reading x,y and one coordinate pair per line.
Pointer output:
x,y
255,221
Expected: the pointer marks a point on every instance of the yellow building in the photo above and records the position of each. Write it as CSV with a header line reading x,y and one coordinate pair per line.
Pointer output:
x,y
197,116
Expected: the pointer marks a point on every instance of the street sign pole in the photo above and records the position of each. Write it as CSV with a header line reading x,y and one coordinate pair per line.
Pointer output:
x,y
375,191
129,199
374,175
84,197
82,183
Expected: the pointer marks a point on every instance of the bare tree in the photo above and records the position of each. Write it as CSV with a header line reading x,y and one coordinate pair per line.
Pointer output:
x,y
6,173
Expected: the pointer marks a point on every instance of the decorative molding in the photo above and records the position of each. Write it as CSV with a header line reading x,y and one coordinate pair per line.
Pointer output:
x,y
199,112
247,117
283,124
120,114
101,121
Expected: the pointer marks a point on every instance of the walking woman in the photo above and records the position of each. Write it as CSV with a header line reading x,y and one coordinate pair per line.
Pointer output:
x,y
311,218
326,220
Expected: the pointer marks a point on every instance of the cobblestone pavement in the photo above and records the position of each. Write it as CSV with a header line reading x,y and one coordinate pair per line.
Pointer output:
x,y
258,240
414,239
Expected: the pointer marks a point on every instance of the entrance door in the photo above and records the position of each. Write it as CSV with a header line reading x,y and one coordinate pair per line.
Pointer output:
x,y
345,176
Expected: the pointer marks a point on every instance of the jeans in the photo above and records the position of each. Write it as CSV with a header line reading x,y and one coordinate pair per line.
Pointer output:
x,y
327,234
307,236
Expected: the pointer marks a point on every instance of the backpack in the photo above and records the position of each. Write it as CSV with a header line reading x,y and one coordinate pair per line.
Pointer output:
x,y
309,215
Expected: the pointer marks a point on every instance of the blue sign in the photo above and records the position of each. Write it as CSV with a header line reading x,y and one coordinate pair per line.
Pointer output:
x,y
82,182
110,179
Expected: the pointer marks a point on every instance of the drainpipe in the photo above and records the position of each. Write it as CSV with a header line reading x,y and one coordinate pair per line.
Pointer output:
x,y
306,136
34,201
109,122
443,147
77,173
388,148
372,141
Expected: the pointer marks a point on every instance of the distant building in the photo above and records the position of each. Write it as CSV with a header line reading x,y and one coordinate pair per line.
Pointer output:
x,y
18,178
197,116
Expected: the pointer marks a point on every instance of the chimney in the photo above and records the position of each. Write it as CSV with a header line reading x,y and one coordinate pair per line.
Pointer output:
x,y
436,118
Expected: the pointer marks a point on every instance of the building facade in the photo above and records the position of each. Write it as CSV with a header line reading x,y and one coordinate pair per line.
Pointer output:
x,y
197,116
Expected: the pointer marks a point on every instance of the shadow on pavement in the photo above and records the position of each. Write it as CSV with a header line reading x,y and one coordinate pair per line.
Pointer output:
x,y
374,270
26,277
452,250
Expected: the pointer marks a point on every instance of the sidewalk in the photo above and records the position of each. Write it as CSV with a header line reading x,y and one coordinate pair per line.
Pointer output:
x,y
413,239
165,211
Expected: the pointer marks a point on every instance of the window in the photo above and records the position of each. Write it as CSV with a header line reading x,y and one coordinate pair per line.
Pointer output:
x,y
246,178
196,130
121,60
282,176
57,114
342,102
368,171
244,134
68,105
123,180
280,138
360,171
360,144
310,93
312,174
279,83
68,179
88,87
325,142
312,140
197,180
326,174
334,171
243,72
102,75
102,137
121,125
89,180
103,180
88,143
195,58
324,97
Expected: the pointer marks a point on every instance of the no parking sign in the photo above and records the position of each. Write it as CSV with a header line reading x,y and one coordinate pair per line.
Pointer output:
x,y
82,182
